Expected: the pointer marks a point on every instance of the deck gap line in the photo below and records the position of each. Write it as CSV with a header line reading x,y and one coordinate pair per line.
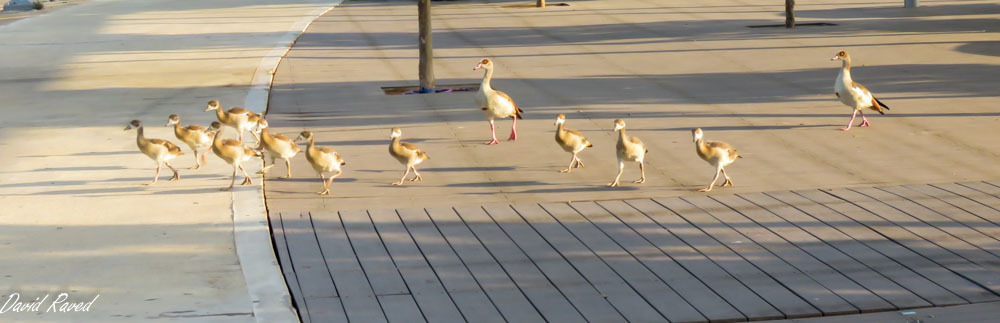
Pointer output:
x,y
959,222
466,265
951,205
900,244
381,241
642,263
828,244
958,196
797,247
749,240
859,242
969,198
627,283
320,247
921,221
679,264
304,307
504,269
429,266
714,262
533,263
738,255
354,252
612,304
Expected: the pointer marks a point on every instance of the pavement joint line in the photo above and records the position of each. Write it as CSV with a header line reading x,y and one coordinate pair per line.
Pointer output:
x,y
266,284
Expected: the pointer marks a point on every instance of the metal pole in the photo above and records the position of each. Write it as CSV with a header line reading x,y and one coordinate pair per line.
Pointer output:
x,y
426,47
911,3
540,4
789,13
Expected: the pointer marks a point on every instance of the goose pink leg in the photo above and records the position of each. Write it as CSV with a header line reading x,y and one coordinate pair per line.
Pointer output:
x,y
849,123
513,130
864,121
494,132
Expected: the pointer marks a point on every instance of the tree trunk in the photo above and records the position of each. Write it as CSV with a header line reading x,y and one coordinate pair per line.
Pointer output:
x,y
426,47
540,4
789,13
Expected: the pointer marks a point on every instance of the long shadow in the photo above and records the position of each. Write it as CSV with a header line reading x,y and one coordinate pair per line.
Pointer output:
x,y
593,188
469,169
310,180
498,184
902,81
80,168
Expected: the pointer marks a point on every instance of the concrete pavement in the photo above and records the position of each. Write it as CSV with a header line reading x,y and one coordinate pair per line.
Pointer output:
x,y
74,215
665,67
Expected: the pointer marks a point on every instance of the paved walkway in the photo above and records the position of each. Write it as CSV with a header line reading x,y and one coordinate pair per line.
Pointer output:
x,y
74,215
753,256
663,66
496,233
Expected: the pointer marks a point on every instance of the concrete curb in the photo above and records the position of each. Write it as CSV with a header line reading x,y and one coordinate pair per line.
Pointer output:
x,y
265,282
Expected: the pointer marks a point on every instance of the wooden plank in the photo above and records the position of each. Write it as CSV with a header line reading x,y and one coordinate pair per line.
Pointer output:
x,y
400,308
605,216
714,220
917,236
840,252
519,248
382,273
318,290
434,302
473,302
981,312
945,204
729,287
893,249
628,302
760,282
664,298
352,283
870,248
961,201
326,309
985,193
278,233
808,263
943,231
548,301
508,298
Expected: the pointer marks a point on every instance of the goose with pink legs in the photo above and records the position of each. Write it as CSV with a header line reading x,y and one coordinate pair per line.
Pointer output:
x,y
495,104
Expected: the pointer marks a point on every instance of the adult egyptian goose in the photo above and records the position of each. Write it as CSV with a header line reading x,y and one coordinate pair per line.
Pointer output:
x,y
278,146
159,150
237,118
628,149
571,141
323,160
495,104
853,94
717,153
195,136
407,154
234,153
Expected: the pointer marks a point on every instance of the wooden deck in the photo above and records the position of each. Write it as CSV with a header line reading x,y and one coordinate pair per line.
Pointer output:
x,y
718,258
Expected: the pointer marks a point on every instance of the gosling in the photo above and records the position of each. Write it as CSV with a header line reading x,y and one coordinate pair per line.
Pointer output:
x,y
407,154
717,153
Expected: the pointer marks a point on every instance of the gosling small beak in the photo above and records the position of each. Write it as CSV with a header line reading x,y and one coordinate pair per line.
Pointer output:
x,y
128,127
835,58
209,108
478,66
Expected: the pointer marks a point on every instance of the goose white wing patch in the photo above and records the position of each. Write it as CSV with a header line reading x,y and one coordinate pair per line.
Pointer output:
x,y
861,94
